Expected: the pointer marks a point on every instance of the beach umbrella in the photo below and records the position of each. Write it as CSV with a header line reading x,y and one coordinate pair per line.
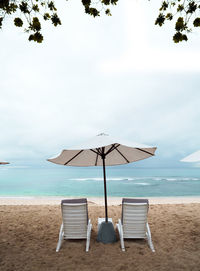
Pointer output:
x,y
4,163
194,157
103,150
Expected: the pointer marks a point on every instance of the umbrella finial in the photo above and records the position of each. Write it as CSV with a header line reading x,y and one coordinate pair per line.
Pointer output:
x,y
102,134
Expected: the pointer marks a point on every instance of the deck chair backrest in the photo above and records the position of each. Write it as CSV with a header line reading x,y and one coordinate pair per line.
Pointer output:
x,y
75,218
134,217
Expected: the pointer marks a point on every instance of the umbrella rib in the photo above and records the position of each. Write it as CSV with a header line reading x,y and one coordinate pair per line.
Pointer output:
x,y
96,159
100,151
73,157
114,146
97,153
122,155
145,151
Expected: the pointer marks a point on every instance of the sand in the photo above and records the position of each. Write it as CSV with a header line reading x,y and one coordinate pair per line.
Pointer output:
x,y
29,234
96,200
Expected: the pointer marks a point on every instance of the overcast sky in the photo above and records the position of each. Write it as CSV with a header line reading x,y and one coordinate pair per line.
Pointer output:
x,y
121,75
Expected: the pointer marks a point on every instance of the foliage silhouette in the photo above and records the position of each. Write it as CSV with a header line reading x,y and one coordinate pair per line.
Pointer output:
x,y
184,12
30,13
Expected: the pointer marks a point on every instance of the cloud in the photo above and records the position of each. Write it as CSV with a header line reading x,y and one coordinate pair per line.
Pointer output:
x,y
141,53
98,75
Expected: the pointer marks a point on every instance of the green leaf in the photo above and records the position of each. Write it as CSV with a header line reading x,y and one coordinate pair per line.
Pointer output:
x,y
192,7
184,37
86,3
24,7
164,6
36,26
196,22
160,20
46,16
180,8
4,3
114,2
37,37
178,37
36,8
107,12
105,2
52,6
180,25
92,11
1,21
55,19
169,16
18,22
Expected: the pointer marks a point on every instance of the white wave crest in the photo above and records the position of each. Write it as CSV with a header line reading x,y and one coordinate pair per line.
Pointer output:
x,y
142,184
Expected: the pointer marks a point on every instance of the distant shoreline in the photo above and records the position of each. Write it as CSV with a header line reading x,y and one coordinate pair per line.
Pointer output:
x,y
53,200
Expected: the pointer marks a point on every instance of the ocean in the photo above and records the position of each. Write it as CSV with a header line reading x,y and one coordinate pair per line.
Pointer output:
x,y
121,181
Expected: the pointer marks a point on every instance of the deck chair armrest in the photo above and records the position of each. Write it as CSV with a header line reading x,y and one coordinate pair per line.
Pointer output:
x,y
121,235
60,239
89,228
149,238
120,222
89,225
148,230
61,231
120,226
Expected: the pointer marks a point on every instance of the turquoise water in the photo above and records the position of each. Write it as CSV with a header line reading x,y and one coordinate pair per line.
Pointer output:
x,y
121,181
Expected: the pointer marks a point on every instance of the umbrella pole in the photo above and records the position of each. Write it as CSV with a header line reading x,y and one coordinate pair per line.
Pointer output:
x,y
105,190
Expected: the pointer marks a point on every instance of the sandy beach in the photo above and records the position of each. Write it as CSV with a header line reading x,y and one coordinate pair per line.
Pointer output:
x,y
92,200
29,235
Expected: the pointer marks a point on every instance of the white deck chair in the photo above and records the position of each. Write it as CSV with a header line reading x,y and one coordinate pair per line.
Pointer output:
x,y
133,223
76,224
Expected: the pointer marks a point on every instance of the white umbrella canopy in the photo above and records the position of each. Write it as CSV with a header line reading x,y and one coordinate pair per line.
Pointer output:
x,y
194,157
90,153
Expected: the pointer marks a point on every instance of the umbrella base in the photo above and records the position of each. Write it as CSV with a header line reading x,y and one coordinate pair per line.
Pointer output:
x,y
106,233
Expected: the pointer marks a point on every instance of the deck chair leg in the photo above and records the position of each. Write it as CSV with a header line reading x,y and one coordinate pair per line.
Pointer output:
x,y
88,236
121,236
61,237
149,238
